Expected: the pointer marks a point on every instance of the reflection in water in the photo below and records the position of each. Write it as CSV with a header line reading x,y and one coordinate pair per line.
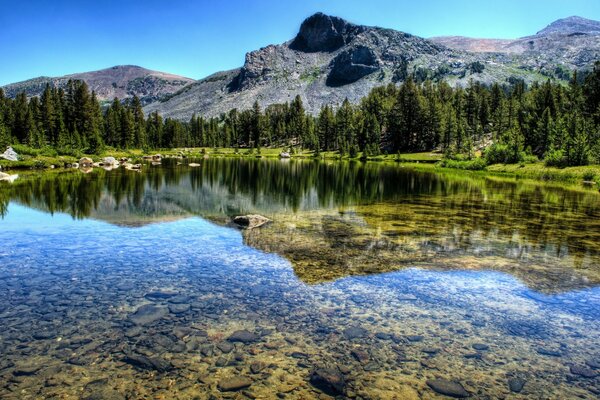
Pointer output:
x,y
451,283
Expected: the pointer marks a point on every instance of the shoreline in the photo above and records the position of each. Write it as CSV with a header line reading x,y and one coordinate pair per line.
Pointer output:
x,y
426,161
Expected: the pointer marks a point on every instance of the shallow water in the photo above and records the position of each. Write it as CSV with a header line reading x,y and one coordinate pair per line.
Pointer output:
x,y
372,282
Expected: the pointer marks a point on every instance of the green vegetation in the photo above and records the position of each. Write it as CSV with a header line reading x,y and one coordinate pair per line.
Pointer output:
x,y
474,127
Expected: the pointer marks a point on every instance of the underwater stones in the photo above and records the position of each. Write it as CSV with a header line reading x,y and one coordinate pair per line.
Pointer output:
x,y
527,329
583,371
548,352
148,363
43,335
243,336
414,338
250,221
160,295
383,336
448,388
147,314
430,350
26,370
329,380
515,384
360,356
225,347
480,346
593,363
257,367
234,384
355,332
179,308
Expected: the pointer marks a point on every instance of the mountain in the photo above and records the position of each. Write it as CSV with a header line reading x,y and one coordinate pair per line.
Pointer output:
x,y
571,25
123,81
565,45
331,59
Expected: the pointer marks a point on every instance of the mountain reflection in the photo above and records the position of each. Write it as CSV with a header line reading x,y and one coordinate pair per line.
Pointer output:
x,y
337,219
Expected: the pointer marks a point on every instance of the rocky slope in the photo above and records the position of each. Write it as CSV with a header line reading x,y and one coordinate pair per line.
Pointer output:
x,y
331,59
123,81
564,45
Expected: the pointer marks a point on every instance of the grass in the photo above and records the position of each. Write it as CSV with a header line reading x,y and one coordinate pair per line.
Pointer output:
x,y
430,161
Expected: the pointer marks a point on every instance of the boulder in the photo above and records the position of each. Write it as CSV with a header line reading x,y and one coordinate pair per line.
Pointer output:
x,y
157,157
284,154
243,336
234,384
148,314
148,363
86,162
250,221
194,164
448,388
329,380
109,161
10,154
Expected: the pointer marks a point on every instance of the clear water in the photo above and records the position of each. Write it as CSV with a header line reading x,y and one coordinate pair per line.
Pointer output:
x,y
118,284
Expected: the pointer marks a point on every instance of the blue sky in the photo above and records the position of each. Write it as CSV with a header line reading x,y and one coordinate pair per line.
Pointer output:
x,y
197,38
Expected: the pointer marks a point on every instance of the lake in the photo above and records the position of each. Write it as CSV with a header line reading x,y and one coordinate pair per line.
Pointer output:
x,y
371,282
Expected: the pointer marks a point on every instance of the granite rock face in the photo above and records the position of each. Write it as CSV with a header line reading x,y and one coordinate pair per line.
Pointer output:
x,y
322,32
331,60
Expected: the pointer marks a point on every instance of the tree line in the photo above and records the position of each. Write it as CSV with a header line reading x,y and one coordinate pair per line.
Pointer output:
x,y
547,120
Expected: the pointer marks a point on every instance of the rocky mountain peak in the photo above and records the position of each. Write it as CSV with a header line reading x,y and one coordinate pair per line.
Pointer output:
x,y
321,32
570,25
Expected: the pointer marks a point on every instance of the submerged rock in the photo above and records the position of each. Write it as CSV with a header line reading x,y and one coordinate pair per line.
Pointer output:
x,y
148,314
448,388
234,384
355,332
250,221
583,371
148,363
329,380
243,336
516,384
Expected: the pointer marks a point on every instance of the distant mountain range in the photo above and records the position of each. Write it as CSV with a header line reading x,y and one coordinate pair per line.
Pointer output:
x,y
331,59
122,81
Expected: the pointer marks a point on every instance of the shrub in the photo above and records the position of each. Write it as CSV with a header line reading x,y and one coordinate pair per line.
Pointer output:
x,y
476,164
589,176
555,158
499,153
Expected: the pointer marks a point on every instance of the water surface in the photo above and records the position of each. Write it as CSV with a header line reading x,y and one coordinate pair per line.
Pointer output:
x,y
118,284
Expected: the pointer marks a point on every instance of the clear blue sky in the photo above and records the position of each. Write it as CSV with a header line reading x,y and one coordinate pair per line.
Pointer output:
x,y
197,38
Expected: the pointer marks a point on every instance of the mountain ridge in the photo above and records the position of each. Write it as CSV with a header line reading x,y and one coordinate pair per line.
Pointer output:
x,y
122,81
331,59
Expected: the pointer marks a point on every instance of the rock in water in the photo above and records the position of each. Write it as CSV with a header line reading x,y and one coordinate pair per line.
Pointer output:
x,y
10,154
86,162
355,332
583,371
329,380
148,314
448,388
234,384
243,336
143,362
250,221
109,161
516,384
